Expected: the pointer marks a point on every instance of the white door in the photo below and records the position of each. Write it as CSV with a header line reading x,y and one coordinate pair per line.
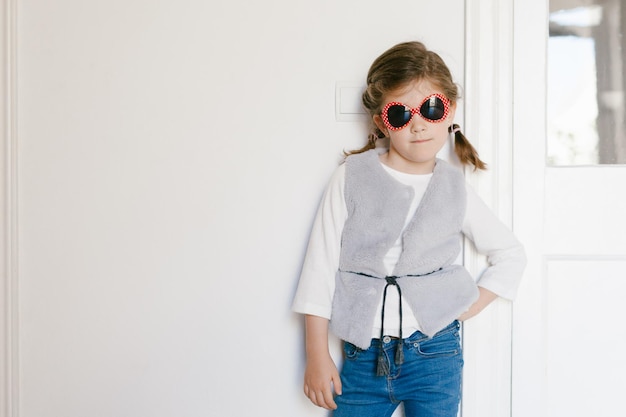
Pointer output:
x,y
568,338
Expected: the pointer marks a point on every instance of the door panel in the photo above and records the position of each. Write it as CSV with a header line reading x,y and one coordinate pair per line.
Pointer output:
x,y
585,363
584,210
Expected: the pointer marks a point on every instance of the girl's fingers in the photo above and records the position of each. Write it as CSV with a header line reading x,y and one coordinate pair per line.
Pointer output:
x,y
320,398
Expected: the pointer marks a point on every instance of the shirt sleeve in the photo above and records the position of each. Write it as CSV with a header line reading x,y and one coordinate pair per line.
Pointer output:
x,y
316,286
506,258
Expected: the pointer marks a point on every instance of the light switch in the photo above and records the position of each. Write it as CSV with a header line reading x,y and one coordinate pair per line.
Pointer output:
x,y
348,104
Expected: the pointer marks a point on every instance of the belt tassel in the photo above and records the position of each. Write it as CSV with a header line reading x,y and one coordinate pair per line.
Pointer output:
x,y
382,367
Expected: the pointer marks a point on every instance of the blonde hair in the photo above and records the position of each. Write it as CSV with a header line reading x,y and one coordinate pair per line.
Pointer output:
x,y
400,65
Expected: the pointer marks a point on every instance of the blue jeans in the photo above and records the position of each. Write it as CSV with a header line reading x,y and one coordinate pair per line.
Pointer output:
x,y
428,382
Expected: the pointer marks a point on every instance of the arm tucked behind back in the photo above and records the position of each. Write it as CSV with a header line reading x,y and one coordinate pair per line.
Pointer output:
x,y
506,258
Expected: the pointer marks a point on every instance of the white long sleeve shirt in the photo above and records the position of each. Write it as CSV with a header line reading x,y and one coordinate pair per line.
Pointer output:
x,y
505,255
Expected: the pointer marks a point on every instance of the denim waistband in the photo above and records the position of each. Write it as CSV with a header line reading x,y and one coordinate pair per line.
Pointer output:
x,y
417,336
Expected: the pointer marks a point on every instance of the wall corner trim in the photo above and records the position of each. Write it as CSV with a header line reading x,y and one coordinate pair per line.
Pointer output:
x,y
9,365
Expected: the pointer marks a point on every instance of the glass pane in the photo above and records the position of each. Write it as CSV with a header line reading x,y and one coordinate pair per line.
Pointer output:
x,y
586,76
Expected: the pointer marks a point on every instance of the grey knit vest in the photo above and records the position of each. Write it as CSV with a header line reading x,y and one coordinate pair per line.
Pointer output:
x,y
436,290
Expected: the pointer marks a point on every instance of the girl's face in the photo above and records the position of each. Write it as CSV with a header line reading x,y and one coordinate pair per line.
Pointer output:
x,y
413,148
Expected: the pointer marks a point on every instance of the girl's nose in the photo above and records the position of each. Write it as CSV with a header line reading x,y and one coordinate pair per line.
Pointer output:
x,y
418,124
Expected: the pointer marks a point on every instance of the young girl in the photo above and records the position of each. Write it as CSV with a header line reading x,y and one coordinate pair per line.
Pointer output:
x,y
380,268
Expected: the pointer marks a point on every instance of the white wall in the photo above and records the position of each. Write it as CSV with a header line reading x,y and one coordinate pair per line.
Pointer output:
x,y
170,159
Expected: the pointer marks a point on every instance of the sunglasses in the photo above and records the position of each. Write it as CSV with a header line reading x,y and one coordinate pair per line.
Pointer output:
x,y
434,109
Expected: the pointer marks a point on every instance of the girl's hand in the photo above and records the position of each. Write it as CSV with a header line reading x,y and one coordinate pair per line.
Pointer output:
x,y
485,298
320,378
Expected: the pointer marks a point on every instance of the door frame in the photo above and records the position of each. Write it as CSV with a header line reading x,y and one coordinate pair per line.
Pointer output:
x,y
529,132
489,78
506,73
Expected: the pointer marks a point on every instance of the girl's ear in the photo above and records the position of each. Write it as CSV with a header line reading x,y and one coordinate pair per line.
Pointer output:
x,y
378,121
451,112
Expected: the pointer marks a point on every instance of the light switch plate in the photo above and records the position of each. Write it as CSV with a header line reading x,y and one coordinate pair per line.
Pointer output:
x,y
348,105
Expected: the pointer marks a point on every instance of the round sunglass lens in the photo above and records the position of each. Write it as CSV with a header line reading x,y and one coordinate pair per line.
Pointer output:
x,y
398,116
433,108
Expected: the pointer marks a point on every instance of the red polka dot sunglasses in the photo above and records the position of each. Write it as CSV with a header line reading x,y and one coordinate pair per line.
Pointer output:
x,y
433,109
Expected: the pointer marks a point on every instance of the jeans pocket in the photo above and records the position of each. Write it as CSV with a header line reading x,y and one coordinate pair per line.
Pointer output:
x,y
442,345
350,351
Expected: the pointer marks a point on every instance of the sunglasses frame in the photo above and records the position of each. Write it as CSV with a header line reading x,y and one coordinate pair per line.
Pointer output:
x,y
416,110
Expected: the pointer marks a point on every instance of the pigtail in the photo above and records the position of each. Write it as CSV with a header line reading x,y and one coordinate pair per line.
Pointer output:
x,y
371,99
372,138
464,150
